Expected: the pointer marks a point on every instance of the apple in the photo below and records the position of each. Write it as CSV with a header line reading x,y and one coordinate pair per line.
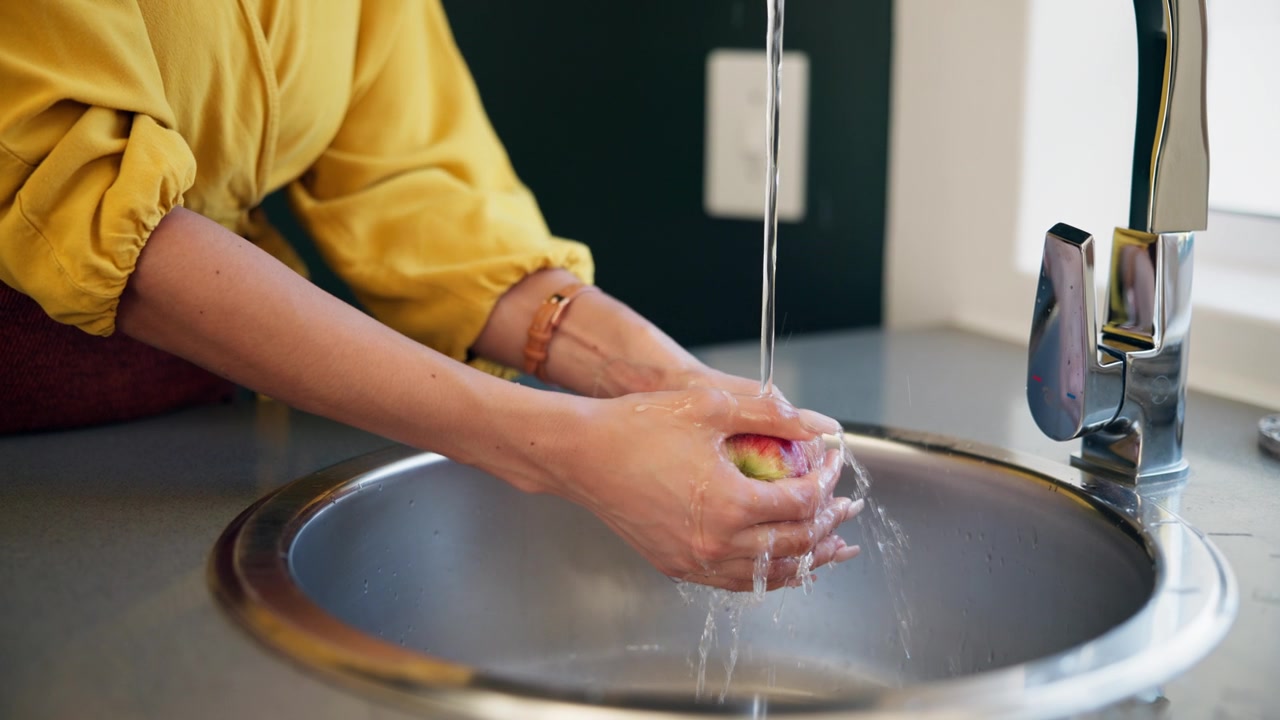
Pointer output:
x,y
763,457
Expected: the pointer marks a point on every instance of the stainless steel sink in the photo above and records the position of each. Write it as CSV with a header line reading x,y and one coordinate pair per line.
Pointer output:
x,y
1028,589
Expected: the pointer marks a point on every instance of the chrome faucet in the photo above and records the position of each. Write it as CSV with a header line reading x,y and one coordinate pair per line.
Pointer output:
x,y
1123,389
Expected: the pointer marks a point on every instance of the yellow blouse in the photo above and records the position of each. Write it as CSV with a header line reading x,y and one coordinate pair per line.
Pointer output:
x,y
112,112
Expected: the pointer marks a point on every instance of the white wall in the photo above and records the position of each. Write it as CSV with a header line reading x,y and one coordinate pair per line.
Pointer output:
x,y
954,155
1010,115
1244,105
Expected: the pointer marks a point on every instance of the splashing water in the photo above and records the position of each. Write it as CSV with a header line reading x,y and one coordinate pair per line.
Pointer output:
x,y
734,605
731,604
759,573
891,544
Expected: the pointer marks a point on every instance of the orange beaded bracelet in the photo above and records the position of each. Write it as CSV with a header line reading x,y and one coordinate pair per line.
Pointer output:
x,y
545,321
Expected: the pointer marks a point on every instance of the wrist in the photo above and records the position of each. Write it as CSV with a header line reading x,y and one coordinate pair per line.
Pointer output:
x,y
603,348
546,320
531,436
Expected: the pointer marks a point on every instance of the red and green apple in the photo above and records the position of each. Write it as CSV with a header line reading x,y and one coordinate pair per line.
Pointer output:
x,y
763,457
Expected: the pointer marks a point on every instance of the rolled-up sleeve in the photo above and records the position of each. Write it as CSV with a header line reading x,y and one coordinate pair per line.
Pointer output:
x,y
89,160
415,203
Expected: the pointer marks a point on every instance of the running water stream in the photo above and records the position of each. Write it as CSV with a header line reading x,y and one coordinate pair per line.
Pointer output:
x,y
773,51
890,540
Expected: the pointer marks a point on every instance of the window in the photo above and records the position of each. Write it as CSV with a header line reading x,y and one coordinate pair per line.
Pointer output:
x,y
988,153
1078,140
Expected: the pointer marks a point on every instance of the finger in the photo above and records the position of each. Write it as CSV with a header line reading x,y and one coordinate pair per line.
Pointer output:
x,y
740,575
789,539
848,552
833,548
771,415
797,499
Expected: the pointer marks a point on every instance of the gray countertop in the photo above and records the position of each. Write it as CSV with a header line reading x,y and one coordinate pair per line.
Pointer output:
x,y
104,533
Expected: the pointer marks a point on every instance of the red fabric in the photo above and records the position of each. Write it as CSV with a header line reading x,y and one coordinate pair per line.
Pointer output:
x,y
53,376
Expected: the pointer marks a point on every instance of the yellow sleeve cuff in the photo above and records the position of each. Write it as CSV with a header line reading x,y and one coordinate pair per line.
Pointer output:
x,y
80,217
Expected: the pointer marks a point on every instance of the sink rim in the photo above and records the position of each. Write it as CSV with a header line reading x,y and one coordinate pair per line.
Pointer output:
x,y
249,573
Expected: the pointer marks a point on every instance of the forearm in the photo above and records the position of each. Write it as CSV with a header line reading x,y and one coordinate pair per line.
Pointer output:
x,y
211,297
650,466
602,347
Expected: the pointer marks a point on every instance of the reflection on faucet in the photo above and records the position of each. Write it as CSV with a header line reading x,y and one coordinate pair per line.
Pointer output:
x,y
1133,303
1123,389
1071,376
1074,385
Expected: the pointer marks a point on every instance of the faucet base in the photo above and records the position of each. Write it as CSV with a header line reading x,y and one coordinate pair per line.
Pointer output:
x,y
1127,476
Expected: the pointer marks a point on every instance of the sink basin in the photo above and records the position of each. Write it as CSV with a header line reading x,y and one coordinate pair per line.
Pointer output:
x,y
1027,589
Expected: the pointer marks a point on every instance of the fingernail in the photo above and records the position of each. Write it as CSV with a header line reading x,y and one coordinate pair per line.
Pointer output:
x,y
819,423
855,507
847,553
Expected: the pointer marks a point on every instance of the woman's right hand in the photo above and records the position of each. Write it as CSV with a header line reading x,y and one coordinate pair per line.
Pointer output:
x,y
653,467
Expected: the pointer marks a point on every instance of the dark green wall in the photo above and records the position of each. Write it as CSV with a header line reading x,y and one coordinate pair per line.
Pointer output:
x,y
600,105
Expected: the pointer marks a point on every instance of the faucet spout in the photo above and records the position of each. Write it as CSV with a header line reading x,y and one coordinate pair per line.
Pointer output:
x,y
1170,189
1123,388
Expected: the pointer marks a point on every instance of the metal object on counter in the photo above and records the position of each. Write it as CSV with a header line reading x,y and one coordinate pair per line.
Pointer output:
x,y
1028,589
1123,389
1269,434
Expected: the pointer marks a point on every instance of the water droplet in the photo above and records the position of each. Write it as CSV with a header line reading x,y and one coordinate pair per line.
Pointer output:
x,y
411,502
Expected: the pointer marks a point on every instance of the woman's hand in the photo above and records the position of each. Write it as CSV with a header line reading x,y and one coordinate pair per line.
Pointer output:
x,y
652,466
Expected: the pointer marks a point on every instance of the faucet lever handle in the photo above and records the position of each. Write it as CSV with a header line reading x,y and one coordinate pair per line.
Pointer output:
x,y
1075,385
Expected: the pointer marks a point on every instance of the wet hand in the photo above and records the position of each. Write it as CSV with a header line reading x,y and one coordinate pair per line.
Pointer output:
x,y
653,467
